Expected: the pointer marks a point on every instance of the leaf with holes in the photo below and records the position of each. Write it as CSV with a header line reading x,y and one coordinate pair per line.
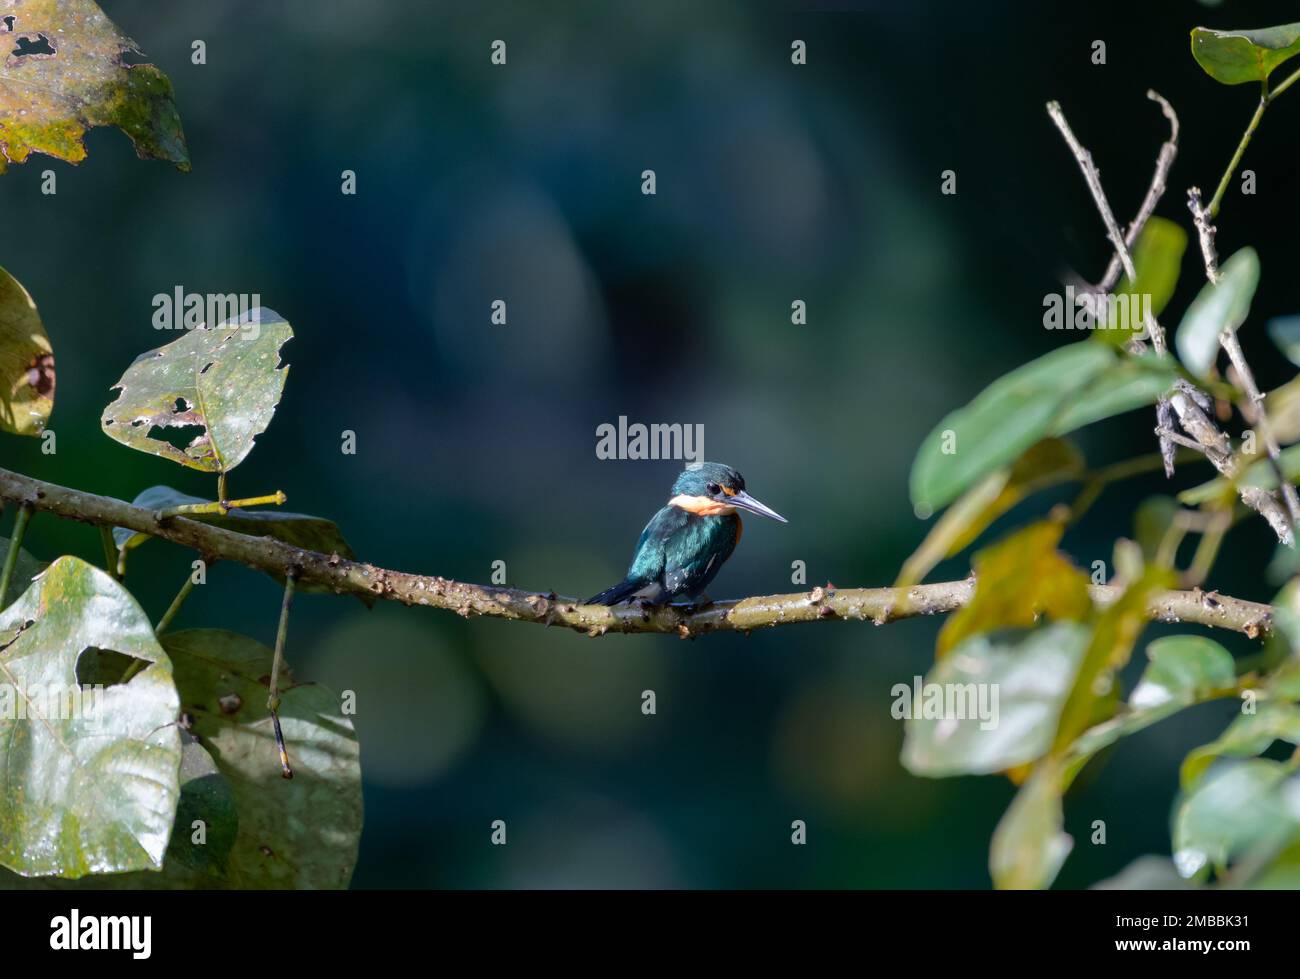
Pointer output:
x,y
296,529
63,72
300,833
26,362
222,384
1235,57
90,774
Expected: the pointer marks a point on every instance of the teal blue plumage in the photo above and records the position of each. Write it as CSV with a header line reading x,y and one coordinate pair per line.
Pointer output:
x,y
680,552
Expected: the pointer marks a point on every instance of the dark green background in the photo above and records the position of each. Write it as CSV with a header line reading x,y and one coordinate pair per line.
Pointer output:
x,y
477,443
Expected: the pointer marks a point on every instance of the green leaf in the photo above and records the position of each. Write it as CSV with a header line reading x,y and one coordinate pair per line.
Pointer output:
x,y
1115,633
26,360
1182,670
1030,844
296,529
1217,307
1044,464
1018,580
1158,260
1285,333
1235,57
71,77
1284,411
223,383
90,786
1154,516
207,807
1148,873
1131,383
1024,684
207,800
299,833
1003,421
1231,810
1246,736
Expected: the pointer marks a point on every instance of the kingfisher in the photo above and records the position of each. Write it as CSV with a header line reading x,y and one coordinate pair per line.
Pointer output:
x,y
685,543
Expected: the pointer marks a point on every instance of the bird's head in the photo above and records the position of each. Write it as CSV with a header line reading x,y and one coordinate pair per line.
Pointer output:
x,y
712,489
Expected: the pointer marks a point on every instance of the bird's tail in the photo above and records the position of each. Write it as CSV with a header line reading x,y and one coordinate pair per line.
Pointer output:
x,y
612,596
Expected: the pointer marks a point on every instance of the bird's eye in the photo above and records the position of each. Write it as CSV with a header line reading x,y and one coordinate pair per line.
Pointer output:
x,y
713,489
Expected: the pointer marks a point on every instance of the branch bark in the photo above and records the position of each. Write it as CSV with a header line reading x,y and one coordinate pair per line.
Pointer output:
x,y
877,605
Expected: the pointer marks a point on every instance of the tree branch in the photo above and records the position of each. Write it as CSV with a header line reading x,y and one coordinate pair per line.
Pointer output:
x,y
877,605
1164,411
1159,182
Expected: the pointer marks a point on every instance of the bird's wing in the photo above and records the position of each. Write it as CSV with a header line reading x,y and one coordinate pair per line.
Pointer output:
x,y
699,550
649,557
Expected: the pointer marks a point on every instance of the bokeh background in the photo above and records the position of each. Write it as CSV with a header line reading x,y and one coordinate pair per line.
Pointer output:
x,y
476,443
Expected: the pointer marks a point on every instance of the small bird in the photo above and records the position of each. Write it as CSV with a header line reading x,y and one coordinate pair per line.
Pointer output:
x,y
685,543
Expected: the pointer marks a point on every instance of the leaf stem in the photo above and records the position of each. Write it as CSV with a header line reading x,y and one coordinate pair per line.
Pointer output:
x,y
1264,99
163,623
15,543
221,506
110,552
175,606
273,700
1287,83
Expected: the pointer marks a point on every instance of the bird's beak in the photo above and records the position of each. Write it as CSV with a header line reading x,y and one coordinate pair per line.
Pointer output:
x,y
746,502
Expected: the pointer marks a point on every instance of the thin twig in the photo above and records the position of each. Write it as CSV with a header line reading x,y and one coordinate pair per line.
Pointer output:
x,y
1093,179
1205,232
1213,210
175,606
1256,415
877,605
15,546
273,697
221,506
1159,182
110,551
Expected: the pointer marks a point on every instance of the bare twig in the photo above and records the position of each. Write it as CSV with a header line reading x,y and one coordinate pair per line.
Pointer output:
x,y
1253,410
1255,414
877,605
1205,232
1184,401
1121,245
1159,182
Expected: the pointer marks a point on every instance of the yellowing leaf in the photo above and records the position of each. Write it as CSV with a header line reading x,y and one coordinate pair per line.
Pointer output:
x,y
1113,638
1047,462
62,73
26,362
1016,581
